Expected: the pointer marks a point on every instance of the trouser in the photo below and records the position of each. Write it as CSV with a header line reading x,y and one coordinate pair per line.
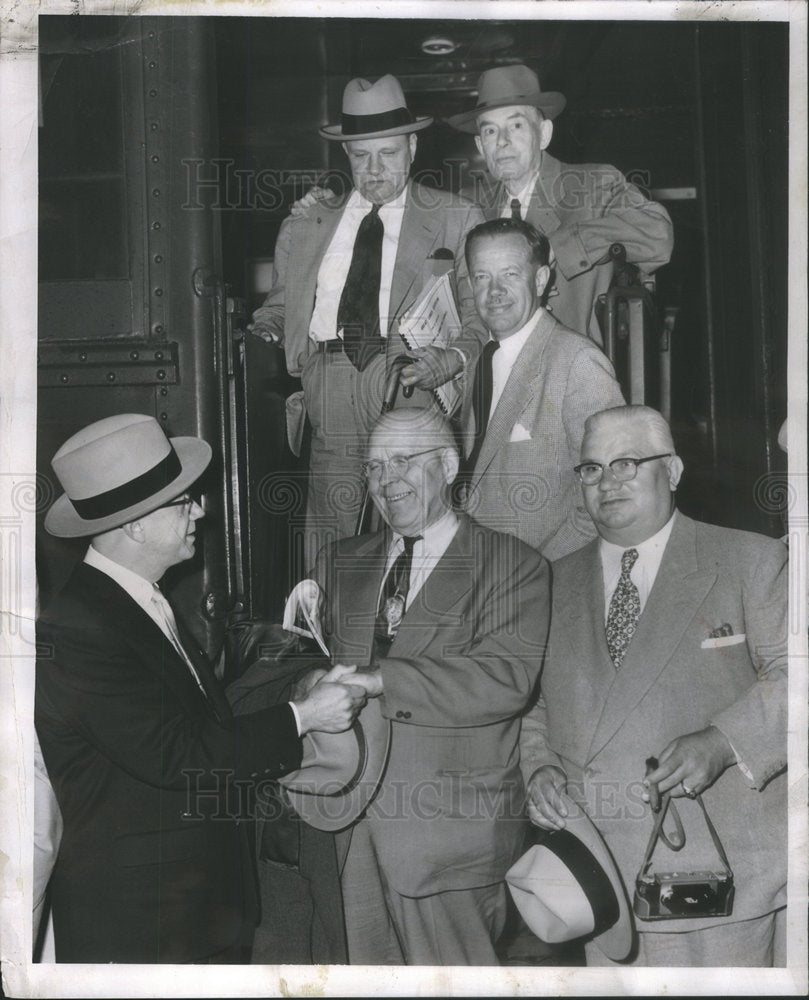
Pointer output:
x,y
383,927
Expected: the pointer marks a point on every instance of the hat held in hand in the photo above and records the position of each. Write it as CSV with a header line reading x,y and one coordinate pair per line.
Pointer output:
x,y
567,886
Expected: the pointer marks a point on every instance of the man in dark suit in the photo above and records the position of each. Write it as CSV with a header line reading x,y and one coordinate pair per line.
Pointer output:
x,y
583,208
138,739
447,620
344,274
668,639
535,384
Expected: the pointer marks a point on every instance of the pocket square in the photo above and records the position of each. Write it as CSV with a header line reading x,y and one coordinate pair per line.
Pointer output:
x,y
519,433
715,642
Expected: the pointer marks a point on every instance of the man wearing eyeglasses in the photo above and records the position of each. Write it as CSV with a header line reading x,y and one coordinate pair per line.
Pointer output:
x,y
447,621
139,741
668,640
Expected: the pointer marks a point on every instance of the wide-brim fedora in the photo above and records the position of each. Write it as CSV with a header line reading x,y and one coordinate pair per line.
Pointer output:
x,y
340,773
503,87
374,110
567,886
118,469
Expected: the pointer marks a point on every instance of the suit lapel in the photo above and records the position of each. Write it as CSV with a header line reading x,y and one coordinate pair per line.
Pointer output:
x,y
356,579
216,697
517,393
451,579
153,649
679,590
418,238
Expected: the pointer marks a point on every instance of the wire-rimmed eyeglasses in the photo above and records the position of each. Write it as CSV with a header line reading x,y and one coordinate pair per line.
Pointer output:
x,y
398,464
184,501
622,469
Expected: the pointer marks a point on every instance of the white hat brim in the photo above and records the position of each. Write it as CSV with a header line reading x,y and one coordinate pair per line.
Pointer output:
x,y
63,521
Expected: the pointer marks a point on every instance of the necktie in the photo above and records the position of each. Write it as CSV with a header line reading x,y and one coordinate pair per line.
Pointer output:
x,y
516,209
482,399
393,600
358,312
624,612
166,616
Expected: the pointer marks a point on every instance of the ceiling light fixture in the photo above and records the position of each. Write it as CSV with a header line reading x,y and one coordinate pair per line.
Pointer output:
x,y
438,45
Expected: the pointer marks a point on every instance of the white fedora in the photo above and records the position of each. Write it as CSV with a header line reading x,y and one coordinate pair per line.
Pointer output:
x,y
340,772
567,886
373,110
118,469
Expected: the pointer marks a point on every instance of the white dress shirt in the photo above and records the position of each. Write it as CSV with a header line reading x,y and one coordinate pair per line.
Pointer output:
x,y
524,198
503,359
336,262
643,574
426,552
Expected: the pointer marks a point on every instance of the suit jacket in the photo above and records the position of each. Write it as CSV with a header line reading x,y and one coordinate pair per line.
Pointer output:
x,y
152,865
523,480
583,209
599,725
432,220
449,812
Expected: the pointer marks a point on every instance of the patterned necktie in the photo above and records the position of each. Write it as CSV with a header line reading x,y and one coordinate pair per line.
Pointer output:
x,y
358,312
482,399
393,600
516,209
166,617
622,618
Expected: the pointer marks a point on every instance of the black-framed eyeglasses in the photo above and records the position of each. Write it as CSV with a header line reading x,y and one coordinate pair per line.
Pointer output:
x,y
622,469
398,464
183,501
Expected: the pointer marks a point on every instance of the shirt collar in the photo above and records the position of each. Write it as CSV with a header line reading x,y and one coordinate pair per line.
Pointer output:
x,y
138,588
434,534
524,196
511,346
651,547
360,201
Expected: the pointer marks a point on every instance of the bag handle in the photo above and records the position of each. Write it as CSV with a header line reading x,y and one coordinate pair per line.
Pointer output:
x,y
678,842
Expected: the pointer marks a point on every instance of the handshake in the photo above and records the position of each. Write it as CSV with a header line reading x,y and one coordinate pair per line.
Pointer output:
x,y
329,701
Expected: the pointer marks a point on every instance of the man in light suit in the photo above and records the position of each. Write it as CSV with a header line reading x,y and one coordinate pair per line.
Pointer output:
x,y
668,639
583,209
449,619
535,384
138,738
324,297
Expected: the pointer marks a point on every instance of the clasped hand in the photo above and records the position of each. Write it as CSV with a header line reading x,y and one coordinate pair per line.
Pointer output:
x,y
332,700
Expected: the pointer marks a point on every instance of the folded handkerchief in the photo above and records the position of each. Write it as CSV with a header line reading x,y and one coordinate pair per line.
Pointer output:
x,y
715,642
519,433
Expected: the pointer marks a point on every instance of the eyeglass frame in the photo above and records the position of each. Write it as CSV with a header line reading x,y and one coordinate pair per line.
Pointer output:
x,y
179,502
635,461
385,462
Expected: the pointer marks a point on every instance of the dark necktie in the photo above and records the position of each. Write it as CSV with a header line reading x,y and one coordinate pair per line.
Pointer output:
x,y
358,312
624,612
393,600
482,399
516,210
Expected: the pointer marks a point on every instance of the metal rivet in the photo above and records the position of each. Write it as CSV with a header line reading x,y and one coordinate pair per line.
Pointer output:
x,y
156,225
158,292
155,192
134,355
152,93
152,64
164,416
151,34
153,126
64,378
160,374
110,376
158,328
164,391
155,158
83,356
158,355
158,258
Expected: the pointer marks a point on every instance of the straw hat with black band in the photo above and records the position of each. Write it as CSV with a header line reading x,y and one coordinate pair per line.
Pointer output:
x,y
567,886
118,469
374,110
503,87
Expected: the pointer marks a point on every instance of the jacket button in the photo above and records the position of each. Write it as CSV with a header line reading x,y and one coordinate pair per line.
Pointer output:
x,y
400,715
582,263
406,715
